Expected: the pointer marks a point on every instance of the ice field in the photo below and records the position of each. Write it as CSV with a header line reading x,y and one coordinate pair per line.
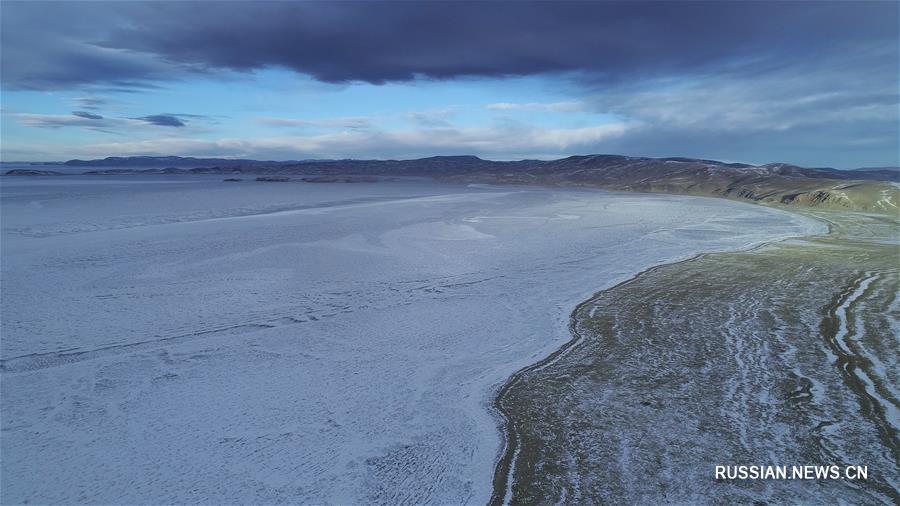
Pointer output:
x,y
182,339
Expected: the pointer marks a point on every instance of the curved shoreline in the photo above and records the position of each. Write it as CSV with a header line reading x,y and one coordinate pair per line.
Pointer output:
x,y
504,469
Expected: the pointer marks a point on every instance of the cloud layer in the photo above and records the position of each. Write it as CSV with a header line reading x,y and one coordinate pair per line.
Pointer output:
x,y
51,45
496,140
805,82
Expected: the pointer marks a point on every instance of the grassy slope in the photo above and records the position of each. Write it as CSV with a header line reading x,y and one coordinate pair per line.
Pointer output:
x,y
696,179
728,358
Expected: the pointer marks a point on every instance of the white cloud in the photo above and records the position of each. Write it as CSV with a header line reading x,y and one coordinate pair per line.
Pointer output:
x,y
774,103
432,118
350,122
570,106
500,141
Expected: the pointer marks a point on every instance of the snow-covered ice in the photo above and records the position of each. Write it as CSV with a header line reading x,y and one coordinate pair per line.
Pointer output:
x,y
170,340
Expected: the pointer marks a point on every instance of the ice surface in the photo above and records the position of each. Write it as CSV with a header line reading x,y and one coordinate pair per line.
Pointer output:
x,y
170,340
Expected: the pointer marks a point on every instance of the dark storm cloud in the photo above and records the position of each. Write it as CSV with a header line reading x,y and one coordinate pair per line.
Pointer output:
x,y
162,120
48,45
86,115
115,43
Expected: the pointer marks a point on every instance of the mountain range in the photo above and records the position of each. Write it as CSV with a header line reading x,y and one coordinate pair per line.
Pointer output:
x,y
866,189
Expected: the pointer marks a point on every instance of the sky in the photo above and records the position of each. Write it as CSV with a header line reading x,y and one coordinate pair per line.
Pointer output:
x,y
810,83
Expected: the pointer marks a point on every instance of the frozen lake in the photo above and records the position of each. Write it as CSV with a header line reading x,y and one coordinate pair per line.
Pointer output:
x,y
172,340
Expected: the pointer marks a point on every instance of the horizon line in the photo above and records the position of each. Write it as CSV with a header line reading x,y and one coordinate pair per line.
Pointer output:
x,y
313,160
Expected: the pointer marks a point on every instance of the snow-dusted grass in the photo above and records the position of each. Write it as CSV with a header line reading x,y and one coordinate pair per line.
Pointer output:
x,y
780,354
190,340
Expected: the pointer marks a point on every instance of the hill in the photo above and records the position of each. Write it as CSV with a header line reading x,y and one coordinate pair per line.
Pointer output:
x,y
866,189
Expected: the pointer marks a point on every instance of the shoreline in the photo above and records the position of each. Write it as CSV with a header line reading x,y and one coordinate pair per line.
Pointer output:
x,y
827,262
504,468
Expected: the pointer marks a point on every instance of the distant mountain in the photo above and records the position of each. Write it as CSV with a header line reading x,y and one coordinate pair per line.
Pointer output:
x,y
170,161
427,166
866,189
33,172
869,173
877,173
